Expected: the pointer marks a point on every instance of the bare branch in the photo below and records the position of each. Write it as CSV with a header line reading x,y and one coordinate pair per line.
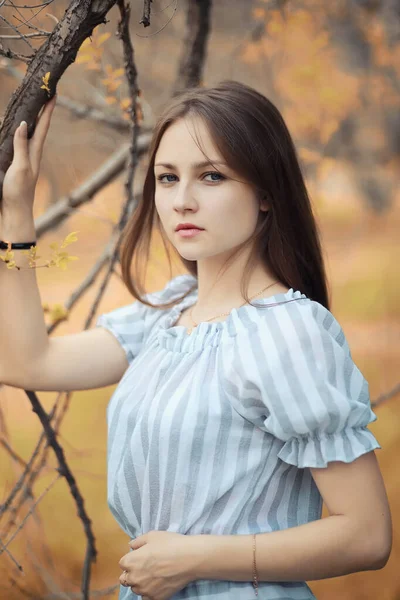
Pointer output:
x,y
27,35
15,55
11,452
5,546
131,75
44,4
65,471
145,20
65,207
30,472
194,49
21,36
82,111
164,26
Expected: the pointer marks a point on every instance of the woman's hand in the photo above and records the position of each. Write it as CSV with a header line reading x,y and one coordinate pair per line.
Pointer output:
x,y
21,177
160,565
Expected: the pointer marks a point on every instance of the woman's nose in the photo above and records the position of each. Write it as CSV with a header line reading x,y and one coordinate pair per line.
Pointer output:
x,y
183,196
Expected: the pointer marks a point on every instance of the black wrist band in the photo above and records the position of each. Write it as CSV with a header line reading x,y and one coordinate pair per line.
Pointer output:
x,y
17,245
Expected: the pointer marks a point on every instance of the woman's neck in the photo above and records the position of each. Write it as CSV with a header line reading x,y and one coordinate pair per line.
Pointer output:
x,y
225,294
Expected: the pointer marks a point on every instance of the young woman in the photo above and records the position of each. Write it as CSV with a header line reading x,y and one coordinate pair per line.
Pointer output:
x,y
238,409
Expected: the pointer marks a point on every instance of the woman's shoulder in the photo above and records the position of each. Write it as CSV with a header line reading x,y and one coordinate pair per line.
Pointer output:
x,y
174,288
300,320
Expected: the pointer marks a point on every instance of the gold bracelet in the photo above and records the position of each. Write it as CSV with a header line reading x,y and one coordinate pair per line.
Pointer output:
x,y
255,579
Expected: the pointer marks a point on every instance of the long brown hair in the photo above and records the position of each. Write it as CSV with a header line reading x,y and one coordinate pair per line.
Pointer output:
x,y
252,136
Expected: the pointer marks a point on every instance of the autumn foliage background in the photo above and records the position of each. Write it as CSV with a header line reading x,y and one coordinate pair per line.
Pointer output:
x,y
339,97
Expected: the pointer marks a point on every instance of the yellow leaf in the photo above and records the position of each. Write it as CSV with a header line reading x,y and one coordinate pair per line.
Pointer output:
x,y
86,43
9,254
84,58
54,246
110,100
46,78
71,237
259,13
93,66
274,28
58,312
119,72
103,38
125,103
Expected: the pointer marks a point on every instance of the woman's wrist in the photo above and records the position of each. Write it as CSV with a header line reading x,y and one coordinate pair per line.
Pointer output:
x,y
17,226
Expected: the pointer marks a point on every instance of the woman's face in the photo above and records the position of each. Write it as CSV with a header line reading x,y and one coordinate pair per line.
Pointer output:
x,y
188,190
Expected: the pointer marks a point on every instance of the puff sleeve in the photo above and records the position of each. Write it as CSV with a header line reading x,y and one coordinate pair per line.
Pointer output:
x,y
131,324
315,399
126,324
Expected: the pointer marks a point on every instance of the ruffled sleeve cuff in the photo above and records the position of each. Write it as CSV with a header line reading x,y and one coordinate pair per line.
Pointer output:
x,y
319,449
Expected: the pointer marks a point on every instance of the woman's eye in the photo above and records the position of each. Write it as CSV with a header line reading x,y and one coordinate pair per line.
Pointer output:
x,y
217,174
161,177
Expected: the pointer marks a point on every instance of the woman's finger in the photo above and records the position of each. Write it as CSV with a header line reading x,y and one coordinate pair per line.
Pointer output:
x,y
37,142
20,143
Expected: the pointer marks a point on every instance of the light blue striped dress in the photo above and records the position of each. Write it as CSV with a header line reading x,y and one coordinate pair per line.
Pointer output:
x,y
213,432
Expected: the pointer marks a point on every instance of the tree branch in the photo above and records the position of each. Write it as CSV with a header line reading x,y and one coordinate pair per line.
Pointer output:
x,y
145,20
198,24
81,111
65,471
54,57
66,206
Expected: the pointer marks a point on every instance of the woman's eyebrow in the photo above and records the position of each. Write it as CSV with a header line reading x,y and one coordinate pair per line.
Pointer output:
x,y
199,165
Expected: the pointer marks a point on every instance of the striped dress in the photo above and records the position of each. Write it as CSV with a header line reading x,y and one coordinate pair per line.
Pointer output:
x,y
214,432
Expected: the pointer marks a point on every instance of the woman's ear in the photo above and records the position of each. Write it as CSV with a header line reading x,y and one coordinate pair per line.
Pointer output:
x,y
264,206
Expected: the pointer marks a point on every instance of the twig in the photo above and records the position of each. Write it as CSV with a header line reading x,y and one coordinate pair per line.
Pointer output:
x,y
14,55
65,471
88,281
145,20
12,452
131,75
64,207
28,467
80,110
5,546
32,471
163,27
387,395
27,35
44,4
21,35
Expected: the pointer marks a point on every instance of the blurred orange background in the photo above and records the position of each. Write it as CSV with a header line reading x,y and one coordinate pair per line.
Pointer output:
x,y
297,65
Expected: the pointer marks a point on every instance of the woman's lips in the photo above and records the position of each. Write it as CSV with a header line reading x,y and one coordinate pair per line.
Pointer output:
x,y
187,233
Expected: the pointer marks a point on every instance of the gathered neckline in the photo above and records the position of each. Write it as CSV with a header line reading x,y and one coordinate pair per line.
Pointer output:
x,y
175,337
